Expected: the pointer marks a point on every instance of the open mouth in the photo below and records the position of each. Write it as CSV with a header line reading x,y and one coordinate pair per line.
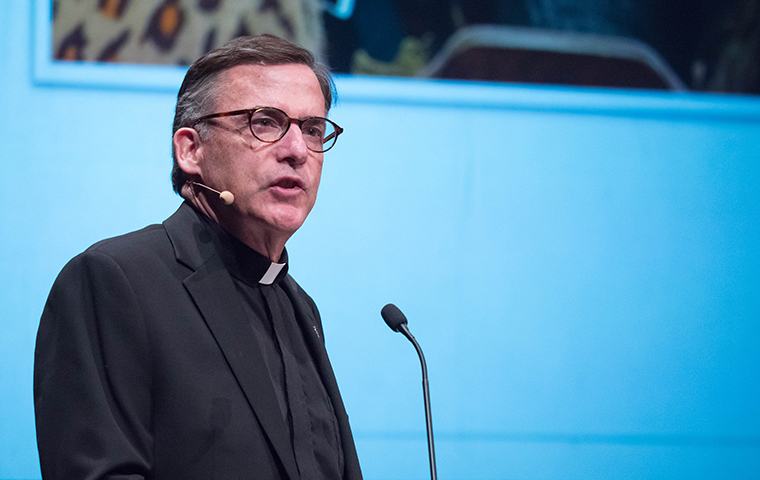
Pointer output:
x,y
288,183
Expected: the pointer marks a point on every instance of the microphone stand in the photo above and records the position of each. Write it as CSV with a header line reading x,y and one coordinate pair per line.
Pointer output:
x,y
426,394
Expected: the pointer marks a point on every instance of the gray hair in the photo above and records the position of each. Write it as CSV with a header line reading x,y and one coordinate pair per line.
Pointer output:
x,y
199,90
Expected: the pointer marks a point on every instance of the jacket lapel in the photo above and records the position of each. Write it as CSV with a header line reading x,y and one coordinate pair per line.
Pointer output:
x,y
311,326
214,294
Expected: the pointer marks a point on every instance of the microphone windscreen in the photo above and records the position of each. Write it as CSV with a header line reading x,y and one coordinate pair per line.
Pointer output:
x,y
227,197
393,316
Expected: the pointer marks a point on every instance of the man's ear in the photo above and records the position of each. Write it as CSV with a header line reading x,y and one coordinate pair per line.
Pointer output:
x,y
188,149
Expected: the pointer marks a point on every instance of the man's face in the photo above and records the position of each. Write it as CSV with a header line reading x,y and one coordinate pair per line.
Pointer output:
x,y
275,184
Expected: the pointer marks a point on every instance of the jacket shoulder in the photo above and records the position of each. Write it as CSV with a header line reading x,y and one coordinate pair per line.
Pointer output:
x,y
148,238
136,255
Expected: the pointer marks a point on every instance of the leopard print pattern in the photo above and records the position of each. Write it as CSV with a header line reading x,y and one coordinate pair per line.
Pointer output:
x,y
176,32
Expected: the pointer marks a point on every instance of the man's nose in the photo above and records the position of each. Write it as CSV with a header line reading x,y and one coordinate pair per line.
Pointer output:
x,y
294,145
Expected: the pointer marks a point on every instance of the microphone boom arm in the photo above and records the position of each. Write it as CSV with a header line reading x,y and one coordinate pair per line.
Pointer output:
x,y
426,394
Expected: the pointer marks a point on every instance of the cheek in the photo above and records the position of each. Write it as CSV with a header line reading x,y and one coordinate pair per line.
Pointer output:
x,y
246,168
317,171
315,187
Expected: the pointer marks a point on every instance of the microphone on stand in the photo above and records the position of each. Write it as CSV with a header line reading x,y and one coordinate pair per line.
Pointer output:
x,y
225,196
397,322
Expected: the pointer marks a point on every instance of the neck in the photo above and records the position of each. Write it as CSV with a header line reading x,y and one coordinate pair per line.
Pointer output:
x,y
258,237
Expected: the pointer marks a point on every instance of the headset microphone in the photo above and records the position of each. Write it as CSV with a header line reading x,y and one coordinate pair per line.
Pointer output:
x,y
225,196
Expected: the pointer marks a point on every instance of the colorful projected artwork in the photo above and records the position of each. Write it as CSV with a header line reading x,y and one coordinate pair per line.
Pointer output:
x,y
175,32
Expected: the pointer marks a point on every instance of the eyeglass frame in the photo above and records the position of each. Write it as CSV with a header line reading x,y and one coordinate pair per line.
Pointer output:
x,y
298,121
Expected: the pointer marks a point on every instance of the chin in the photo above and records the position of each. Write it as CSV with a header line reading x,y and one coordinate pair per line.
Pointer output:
x,y
288,222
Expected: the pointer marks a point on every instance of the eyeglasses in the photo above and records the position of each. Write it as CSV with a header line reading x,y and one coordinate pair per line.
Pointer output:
x,y
269,124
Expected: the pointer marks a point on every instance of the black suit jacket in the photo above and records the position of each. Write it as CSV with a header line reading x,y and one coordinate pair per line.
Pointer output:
x,y
146,366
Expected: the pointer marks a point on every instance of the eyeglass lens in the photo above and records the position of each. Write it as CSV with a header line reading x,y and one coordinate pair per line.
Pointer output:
x,y
269,125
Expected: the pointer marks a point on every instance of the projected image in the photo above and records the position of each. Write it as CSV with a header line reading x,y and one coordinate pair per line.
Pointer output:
x,y
711,46
175,32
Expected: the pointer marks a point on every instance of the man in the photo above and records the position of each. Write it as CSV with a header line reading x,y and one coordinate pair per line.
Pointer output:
x,y
185,350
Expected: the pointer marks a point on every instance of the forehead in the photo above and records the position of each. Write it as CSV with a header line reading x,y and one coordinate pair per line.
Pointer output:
x,y
293,88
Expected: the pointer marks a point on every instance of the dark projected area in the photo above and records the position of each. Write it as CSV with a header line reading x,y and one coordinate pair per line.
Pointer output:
x,y
712,45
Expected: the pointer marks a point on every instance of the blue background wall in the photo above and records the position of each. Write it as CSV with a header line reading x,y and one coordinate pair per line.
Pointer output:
x,y
581,266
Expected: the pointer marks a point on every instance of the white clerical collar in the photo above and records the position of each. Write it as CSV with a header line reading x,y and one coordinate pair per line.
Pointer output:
x,y
271,273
